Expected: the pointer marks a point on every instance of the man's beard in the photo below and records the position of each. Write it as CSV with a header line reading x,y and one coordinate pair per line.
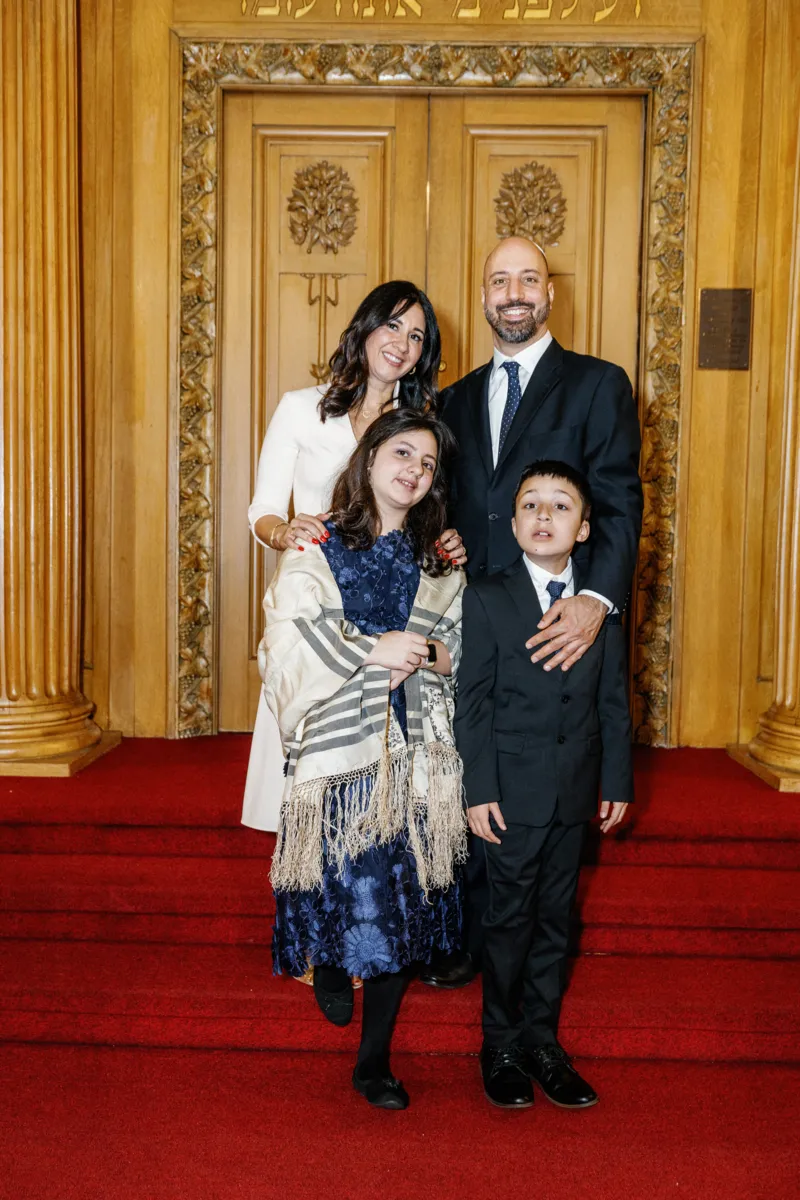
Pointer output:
x,y
515,332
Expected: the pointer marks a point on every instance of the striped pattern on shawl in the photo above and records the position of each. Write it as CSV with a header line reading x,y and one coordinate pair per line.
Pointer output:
x,y
352,779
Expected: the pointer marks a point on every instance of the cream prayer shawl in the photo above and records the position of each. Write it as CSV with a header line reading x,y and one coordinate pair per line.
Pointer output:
x,y
352,780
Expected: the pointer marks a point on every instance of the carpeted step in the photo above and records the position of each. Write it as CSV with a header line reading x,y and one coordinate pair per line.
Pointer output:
x,y
642,896
120,884
213,996
633,847
236,930
183,798
646,910
145,781
230,841
199,782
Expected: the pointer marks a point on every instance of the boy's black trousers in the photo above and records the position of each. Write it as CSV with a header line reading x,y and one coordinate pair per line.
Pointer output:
x,y
532,879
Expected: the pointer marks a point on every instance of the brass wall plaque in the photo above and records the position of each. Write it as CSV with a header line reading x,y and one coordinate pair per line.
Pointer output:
x,y
725,325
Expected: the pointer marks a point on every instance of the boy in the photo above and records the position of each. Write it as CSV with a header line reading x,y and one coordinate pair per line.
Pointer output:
x,y
536,746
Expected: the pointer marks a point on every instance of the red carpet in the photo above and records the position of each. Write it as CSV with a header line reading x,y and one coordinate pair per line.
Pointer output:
x,y
86,1124
134,909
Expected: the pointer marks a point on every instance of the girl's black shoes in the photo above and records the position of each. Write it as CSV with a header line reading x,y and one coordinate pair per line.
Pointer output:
x,y
381,1091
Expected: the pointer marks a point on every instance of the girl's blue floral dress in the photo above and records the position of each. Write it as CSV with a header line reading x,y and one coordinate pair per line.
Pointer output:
x,y
372,917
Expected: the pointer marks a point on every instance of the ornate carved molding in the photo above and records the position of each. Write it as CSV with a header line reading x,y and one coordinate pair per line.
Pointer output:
x,y
531,203
664,72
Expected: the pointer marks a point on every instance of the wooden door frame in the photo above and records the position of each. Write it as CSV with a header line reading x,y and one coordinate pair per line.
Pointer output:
x,y
664,75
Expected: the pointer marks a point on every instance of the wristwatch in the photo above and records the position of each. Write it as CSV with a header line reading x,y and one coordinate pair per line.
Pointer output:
x,y
431,653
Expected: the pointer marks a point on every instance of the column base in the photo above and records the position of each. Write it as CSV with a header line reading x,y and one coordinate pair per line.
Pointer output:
x,y
61,765
777,777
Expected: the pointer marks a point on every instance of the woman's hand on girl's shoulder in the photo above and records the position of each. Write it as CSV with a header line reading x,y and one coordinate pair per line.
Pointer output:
x,y
450,546
302,528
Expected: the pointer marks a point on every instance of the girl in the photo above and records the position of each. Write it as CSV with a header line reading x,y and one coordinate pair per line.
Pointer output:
x,y
361,645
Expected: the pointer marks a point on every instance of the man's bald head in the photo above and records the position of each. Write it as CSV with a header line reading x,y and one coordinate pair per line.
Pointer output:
x,y
516,251
516,293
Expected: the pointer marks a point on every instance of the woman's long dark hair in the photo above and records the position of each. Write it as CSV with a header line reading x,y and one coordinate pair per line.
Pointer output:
x,y
348,363
353,508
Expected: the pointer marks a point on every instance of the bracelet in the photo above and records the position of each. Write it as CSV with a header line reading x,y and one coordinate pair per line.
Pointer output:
x,y
272,533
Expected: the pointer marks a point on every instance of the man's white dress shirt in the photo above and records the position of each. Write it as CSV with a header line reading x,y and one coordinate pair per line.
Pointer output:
x,y
527,360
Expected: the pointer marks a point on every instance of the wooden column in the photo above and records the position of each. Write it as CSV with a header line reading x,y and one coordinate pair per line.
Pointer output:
x,y
46,724
774,753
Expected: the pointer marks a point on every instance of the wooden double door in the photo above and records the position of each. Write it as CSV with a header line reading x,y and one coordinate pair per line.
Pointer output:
x,y
325,195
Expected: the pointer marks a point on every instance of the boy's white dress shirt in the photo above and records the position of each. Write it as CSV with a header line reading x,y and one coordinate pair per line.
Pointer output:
x,y
540,579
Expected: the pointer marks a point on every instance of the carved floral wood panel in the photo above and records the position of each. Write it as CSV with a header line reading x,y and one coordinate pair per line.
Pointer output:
x,y
531,203
322,207
665,73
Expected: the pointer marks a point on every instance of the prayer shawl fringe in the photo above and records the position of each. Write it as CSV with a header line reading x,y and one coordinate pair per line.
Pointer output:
x,y
351,813
352,781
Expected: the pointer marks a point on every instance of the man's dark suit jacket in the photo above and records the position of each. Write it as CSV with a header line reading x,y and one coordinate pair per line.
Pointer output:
x,y
577,409
539,742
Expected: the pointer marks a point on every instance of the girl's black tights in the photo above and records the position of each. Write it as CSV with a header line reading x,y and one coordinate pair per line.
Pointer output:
x,y
382,997
333,979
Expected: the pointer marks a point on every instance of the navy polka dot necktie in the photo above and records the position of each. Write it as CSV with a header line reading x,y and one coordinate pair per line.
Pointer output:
x,y
554,588
512,401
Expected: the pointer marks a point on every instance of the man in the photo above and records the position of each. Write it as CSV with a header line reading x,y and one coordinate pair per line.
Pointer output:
x,y
535,400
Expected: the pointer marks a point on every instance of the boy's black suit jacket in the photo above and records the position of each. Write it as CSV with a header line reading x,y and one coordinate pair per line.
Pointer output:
x,y
577,409
539,742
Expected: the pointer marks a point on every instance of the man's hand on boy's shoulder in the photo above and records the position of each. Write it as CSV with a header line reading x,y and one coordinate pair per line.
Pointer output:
x,y
612,814
480,824
567,630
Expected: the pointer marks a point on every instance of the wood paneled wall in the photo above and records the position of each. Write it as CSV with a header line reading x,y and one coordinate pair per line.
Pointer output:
x,y
731,437
743,154
129,71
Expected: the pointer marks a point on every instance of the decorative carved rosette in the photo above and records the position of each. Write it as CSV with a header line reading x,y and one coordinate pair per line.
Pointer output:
x,y
322,207
665,73
531,203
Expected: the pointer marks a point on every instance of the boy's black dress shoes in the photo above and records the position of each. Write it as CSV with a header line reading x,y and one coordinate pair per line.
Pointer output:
x,y
381,1091
449,970
551,1067
505,1077
337,1005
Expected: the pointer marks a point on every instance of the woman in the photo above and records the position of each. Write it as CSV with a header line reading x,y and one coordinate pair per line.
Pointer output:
x,y
362,639
388,356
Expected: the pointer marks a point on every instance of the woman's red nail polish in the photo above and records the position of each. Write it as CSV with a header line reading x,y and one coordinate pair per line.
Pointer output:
x,y
300,547
315,541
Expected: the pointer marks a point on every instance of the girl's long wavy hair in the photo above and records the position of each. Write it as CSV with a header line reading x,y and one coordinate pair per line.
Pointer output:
x,y
349,365
353,508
